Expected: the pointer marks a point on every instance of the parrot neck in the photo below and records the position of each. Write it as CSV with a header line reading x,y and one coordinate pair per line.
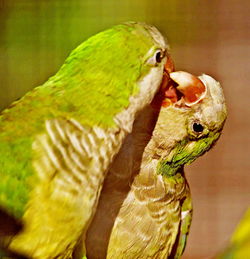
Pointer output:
x,y
168,169
164,151
168,137
164,166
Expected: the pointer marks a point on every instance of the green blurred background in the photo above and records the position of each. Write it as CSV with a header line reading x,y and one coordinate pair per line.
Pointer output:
x,y
206,36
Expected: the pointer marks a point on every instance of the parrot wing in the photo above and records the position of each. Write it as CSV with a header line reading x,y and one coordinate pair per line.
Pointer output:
x,y
186,219
70,161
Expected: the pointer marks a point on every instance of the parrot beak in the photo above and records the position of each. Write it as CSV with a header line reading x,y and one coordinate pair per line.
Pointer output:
x,y
191,87
168,68
161,96
178,88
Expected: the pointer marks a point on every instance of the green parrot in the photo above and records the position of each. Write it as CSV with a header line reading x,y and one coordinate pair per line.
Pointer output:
x,y
145,207
58,141
239,247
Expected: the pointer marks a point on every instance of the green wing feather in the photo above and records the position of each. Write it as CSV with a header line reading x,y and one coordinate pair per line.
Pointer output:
x,y
186,212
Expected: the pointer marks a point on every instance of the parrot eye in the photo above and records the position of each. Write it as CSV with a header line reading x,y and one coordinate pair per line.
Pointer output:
x,y
197,127
159,55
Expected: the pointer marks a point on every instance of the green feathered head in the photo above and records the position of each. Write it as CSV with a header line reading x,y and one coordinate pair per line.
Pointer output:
x,y
117,68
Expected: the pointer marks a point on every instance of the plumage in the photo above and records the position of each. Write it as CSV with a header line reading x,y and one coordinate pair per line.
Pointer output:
x,y
145,207
57,142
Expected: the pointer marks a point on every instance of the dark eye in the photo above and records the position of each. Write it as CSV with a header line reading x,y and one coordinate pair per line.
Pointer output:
x,y
158,56
197,127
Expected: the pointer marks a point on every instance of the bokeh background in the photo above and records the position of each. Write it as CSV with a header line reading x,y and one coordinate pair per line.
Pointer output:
x,y
206,36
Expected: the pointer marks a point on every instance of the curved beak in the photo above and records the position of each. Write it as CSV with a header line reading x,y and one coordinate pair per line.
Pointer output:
x,y
178,88
160,96
169,66
190,86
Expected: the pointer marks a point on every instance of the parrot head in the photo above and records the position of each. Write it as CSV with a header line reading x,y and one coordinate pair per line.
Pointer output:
x,y
121,67
190,121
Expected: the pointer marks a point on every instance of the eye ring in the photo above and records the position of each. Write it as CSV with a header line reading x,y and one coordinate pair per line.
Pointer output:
x,y
197,127
158,56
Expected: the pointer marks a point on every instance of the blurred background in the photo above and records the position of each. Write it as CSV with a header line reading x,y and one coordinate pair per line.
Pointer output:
x,y
206,36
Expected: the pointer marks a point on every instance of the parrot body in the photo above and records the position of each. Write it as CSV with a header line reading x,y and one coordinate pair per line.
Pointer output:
x,y
159,211
145,207
57,142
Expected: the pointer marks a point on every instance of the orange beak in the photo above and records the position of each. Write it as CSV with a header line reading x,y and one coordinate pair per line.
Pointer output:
x,y
178,88
191,87
169,66
165,89
167,85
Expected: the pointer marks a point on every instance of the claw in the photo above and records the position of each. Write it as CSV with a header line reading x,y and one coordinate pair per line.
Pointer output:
x,y
190,86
